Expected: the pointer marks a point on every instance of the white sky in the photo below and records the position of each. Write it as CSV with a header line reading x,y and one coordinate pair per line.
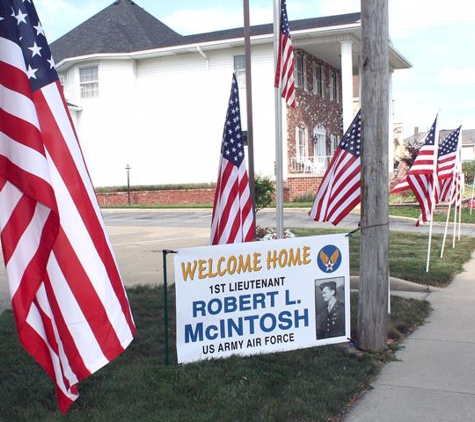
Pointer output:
x,y
438,38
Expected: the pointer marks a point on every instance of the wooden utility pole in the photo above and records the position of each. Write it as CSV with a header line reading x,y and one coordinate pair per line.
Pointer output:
x,y
374,252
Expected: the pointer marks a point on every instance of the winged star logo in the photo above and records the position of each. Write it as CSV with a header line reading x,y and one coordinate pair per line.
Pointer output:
x,y
329,258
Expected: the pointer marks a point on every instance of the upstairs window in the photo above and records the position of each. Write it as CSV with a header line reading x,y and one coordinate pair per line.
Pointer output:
x,y
333,86
89,81
299,72
240,69
318,80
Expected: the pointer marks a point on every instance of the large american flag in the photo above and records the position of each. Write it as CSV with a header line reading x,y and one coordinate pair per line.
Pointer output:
x,y
422,177
340,189
69,302
448,165
233,217
284,73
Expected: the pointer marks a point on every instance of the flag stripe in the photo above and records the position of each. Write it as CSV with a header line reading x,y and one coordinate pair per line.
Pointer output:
x,y
69,302
340,189
79,200
284,72
233,216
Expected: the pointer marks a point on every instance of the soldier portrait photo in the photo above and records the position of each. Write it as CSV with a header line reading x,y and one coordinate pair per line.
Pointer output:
x,y
330,307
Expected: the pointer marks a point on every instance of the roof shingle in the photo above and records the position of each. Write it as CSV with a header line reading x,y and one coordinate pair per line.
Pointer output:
x,y
125,27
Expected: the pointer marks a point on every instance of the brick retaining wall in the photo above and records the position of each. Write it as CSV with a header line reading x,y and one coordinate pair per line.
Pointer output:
x,y
178,196
294,188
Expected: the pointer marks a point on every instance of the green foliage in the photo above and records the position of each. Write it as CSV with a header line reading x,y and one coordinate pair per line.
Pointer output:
x,y
468,167
264,190
408,255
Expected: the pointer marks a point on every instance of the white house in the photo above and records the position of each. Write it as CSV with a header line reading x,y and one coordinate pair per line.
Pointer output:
x,y
147,97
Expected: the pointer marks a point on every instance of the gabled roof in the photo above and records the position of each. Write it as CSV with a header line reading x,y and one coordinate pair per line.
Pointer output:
x,y
122,27
125,27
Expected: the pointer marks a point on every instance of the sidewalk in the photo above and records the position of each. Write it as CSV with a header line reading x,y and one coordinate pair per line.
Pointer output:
x,y
433,378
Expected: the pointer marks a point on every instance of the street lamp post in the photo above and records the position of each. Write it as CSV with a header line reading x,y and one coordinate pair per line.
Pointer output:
x,y
127,168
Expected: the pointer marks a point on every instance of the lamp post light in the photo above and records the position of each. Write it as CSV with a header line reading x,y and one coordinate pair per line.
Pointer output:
x,y
127,168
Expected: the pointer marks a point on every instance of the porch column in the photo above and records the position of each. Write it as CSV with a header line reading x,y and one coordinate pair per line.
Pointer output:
x,y
391,124
347,82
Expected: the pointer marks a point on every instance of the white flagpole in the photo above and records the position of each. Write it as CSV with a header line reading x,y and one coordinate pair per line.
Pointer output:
x,y
279,183
434,181
447,220
462,191
471,198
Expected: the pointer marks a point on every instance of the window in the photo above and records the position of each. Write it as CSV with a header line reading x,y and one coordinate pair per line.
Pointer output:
x,y
301,144
299,72
89,81
333,86
334,141
61,80
319,145
240,69
318,80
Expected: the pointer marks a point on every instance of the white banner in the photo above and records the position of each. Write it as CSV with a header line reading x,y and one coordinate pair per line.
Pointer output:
x,y
262,297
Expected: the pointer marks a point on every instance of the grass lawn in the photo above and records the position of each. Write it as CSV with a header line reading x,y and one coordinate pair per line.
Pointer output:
x,y
408,255
315,384
304,385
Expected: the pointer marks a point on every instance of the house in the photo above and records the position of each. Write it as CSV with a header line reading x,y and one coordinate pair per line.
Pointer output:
x,y
468,142
152,100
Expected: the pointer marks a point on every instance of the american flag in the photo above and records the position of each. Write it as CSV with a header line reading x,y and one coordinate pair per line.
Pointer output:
x,y
340,189
69,302
447,164
284,73
233,217
422,176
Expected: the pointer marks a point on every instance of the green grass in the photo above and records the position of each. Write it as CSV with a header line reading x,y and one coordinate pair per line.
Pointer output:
x,y
304,385
408,255
315,384
440,214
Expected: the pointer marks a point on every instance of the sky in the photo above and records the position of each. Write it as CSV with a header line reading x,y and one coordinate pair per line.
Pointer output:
x,y
436,37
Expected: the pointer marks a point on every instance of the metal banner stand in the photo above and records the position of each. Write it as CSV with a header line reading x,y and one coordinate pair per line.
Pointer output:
x,y
165,252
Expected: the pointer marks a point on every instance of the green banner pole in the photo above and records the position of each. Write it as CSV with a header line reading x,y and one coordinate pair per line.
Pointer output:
x,y
165,252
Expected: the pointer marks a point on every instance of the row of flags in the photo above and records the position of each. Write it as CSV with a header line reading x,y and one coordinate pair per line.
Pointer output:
x,y
435,176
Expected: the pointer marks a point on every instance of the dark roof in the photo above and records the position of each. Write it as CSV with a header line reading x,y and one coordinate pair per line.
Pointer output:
x,y
296,25
124,27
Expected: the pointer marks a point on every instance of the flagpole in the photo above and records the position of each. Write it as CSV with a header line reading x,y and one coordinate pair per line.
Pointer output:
x,y
250,132
434,181
279,188
447,221
471,198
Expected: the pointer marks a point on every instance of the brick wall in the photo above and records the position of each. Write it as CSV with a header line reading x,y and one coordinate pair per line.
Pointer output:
x,y
300,186
294,188
178,196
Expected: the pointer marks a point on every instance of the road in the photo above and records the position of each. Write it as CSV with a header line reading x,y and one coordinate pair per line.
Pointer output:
x,y
140,236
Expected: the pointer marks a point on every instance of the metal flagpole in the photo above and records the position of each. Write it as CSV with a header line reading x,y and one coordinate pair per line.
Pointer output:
x,y
250,133
279,183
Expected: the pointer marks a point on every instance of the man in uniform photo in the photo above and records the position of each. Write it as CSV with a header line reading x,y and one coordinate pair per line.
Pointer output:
x,y
332,319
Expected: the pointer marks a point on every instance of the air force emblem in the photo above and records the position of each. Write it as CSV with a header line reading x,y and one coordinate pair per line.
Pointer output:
x,y
329,259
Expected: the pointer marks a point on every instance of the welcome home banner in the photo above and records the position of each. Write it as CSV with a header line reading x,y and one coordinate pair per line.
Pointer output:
x,y
262,297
